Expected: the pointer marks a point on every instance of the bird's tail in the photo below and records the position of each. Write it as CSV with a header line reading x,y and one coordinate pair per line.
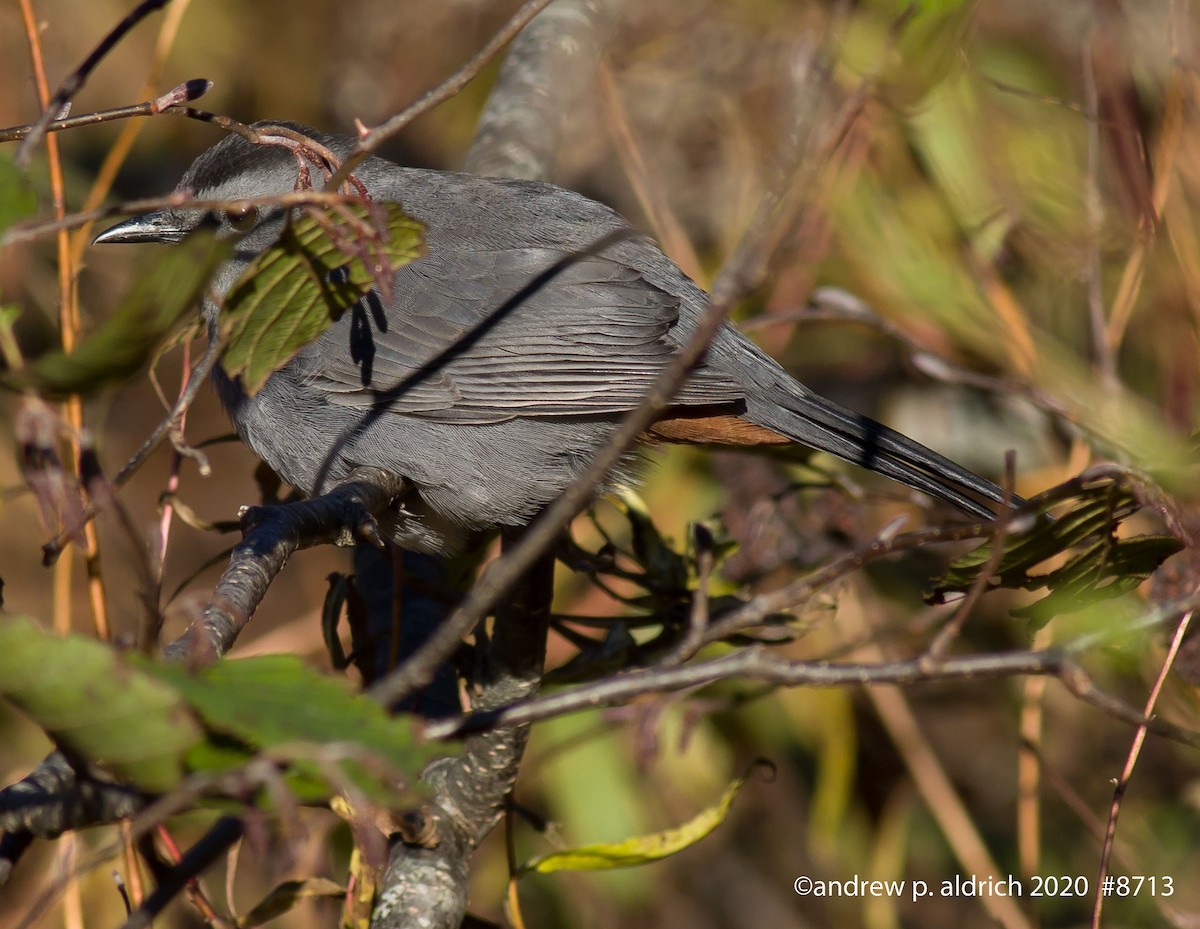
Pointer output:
x,y
810,419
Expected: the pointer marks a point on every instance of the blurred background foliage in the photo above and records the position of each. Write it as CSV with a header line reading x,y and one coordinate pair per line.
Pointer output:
x,y
1017,197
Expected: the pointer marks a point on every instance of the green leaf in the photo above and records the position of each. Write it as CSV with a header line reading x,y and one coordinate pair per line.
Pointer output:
x,y
277,702
298,288
93,703
641,849
121,346
1023,552
17,199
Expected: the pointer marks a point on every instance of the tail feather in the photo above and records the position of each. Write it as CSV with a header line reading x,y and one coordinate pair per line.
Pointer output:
x,y
821,424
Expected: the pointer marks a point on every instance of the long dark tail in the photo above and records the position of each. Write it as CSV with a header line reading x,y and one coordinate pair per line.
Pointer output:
x,y
821,424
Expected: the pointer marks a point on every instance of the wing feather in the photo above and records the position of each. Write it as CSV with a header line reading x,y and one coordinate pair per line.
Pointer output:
x,y
455,346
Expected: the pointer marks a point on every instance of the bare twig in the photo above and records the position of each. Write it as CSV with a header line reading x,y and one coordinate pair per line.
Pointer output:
x,y
28,232
1030,765
173,98
754,663
115,157
52,549
888,542
214,843
1135,751
949,632
666,227
68,318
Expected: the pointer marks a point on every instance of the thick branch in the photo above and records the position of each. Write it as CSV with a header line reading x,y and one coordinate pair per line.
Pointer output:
x,y
429,876
546,74
272,534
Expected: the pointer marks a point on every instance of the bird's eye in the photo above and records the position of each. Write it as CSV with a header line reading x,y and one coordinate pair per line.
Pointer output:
x,y
243,219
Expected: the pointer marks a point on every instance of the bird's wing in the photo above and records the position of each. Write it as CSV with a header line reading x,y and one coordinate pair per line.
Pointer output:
x,y
484,336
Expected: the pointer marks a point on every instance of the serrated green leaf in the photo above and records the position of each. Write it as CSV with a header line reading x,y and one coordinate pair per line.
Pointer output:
x,y
160,300
278,702
639,850
94,703
298,288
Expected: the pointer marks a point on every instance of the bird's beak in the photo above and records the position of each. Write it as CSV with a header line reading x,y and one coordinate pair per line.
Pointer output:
x,y
160,226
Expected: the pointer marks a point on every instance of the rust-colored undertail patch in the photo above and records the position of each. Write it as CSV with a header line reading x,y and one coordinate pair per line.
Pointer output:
x,y
722,429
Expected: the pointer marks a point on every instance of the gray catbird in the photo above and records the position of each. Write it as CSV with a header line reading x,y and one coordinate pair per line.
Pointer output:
x,y
497,419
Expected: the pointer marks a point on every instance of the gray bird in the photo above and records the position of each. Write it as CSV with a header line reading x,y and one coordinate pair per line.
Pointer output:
x,y
492,427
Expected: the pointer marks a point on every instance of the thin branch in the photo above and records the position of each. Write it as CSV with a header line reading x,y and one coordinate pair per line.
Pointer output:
x,y
1030,765
115,157
836,305
175,97
1135,751
753,663
762,606
28,232
949,632
224,833
68,321
196,380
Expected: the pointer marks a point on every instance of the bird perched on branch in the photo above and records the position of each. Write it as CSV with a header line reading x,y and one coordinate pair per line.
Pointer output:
x,y
505,412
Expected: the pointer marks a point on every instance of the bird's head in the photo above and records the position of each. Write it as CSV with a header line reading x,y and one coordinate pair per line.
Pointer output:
x,y
232,171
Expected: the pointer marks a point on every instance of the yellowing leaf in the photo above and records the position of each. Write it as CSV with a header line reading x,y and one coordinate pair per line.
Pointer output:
x,y
639,850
